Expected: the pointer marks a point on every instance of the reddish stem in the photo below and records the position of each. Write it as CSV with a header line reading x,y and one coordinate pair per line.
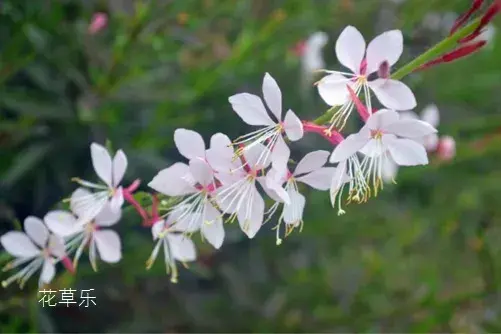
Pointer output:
x,y
362,110
332,136
464,17
132,201
134,185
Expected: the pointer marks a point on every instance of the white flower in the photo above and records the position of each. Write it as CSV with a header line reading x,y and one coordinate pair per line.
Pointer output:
x,y
92,233
189,143
310,171
238,194
37,247
176,246
111,172
384,135
252,111
351,53
196,184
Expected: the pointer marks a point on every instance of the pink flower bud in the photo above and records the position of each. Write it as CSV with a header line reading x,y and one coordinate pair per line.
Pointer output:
x,y
98,23
464,17
446,148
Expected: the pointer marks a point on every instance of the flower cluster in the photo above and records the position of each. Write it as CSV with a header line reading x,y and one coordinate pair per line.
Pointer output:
x,y
227,181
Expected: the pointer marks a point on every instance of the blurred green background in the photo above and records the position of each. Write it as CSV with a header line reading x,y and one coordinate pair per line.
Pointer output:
x,y
422,257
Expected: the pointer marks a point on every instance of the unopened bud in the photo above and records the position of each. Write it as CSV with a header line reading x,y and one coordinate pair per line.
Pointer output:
x,y
446,148
98,23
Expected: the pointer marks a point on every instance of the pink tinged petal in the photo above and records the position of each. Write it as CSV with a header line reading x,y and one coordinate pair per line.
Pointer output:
x,y
212,228
311,161
48,271
117,200
56,246
101,160
382,119
36,230
182,248
319,179
386,47
393,94
174,181
409,128
157,228
62,223
406,152
430,142
350,48
348,147
272,96
332,89
119,167
251,109
431,115
107,216
258,156
109,246
201,171
280,154
78,199
389,170
250,215
293,212
293,126
189,143
18,244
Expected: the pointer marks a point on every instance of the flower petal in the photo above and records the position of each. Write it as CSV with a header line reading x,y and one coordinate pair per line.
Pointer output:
x,y
48,271
117,200
350,48
410,128
258,156
348,147
431,115
272,96
280,154
293,212
56,246
408,115
62,223
393,94
174,181
101,160
406,152
272,185
212,228
389,170
157,228
201,171
119,167
189,143
311,161
18,244
220,153
250,216
381,119
332,89
430,142
386,47
182,248
319,179
78,198
293,126
107,216
251,109
109,246
338,179
36,230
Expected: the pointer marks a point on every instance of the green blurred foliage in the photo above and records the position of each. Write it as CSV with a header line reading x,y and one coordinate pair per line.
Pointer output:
x,y
422,257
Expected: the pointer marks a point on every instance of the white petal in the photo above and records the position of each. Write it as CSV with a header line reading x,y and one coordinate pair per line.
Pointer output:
x,y
62,223
430,142
182,248
350,48
393,94
78,198
250,215
48,271
101,160
389,170
338,179
311,161
258,156
181,221
56,246
109,246
212,229
332,89
36,230
431,115
348,147
117,200
189,143
174,181
374,148
107,216
201,171
293,126
272,96
406,152
293,212
386,47
272,189
408,115
251,109
119,167
319,179
280,154
410,128
18,244
382,119
220,153
157,228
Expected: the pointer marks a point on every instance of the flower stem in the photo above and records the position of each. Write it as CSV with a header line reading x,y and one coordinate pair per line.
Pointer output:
x,y
432,53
